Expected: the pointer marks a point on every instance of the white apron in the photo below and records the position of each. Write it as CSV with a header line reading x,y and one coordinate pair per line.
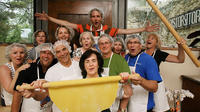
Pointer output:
x,y
31,105
139,100
160,97
106,70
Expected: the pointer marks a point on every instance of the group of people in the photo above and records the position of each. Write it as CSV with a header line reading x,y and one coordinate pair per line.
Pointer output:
x,y
102,53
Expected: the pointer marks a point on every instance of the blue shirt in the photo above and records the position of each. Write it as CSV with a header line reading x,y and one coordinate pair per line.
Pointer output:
x,y
148,69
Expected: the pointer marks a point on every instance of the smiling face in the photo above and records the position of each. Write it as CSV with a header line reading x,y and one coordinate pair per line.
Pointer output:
x,y
40,38
86,41
96,19
91,66
117,48
63,34
17,55
62,54
134,46
105,45
46,58
151,42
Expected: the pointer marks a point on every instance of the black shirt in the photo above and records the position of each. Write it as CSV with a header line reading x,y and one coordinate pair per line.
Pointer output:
x,y
30,74
160,56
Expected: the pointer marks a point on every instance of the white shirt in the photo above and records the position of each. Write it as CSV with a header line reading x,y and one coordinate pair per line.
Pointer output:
x,y
59,72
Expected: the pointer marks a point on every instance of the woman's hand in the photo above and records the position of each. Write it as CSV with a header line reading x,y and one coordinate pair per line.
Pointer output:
x,y
128,91
23,67
181,42
42,16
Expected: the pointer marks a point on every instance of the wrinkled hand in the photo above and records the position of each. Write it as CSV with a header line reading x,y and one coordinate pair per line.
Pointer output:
x,y
26,93
152,28
124,76
23,67
128,92
39,84
76,58
136,79
42,16
31,61
181,42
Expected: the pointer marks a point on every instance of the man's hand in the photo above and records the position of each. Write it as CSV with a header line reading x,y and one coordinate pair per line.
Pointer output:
x,y
41,16
136,79
26,93
151,28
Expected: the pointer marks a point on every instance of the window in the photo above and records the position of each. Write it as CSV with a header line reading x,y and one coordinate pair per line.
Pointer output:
x,y
16,21
184,15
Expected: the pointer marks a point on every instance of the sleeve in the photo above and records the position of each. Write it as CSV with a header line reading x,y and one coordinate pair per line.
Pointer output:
x,y
80,28
113,32
151,69
162,55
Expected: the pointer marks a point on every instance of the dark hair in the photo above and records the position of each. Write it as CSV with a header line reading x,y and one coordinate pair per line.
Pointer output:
x,y
86,55
35,34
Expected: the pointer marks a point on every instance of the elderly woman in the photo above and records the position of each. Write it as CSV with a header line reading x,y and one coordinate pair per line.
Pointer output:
x,y
39,37
91,65
153,45
119,47
87,41
16,55
66,33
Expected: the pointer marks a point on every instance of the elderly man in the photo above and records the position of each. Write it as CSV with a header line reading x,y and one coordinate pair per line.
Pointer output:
x,y
34,72
97,28
65,69
114,64
145,84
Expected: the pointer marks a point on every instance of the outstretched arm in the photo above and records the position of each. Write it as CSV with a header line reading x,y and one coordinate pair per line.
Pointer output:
x,y
148,28
180,58
44,16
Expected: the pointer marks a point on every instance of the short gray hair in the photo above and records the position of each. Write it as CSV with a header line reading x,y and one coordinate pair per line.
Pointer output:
x,y
44,47
133,37
91,36
61,42
10,47
107,36
70,30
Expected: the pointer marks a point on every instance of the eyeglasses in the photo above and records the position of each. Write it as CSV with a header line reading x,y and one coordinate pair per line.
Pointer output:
x,y
135,42
106,43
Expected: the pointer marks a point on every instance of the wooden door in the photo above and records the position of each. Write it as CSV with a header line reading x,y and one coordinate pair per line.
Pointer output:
x,y
76,11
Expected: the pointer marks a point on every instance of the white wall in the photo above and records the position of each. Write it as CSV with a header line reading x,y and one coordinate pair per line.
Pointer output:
x,y
171,72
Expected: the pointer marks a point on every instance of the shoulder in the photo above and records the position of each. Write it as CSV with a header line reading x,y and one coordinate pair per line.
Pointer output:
x,y
117,56
147,58
54,67
145,55
160,51
4,68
